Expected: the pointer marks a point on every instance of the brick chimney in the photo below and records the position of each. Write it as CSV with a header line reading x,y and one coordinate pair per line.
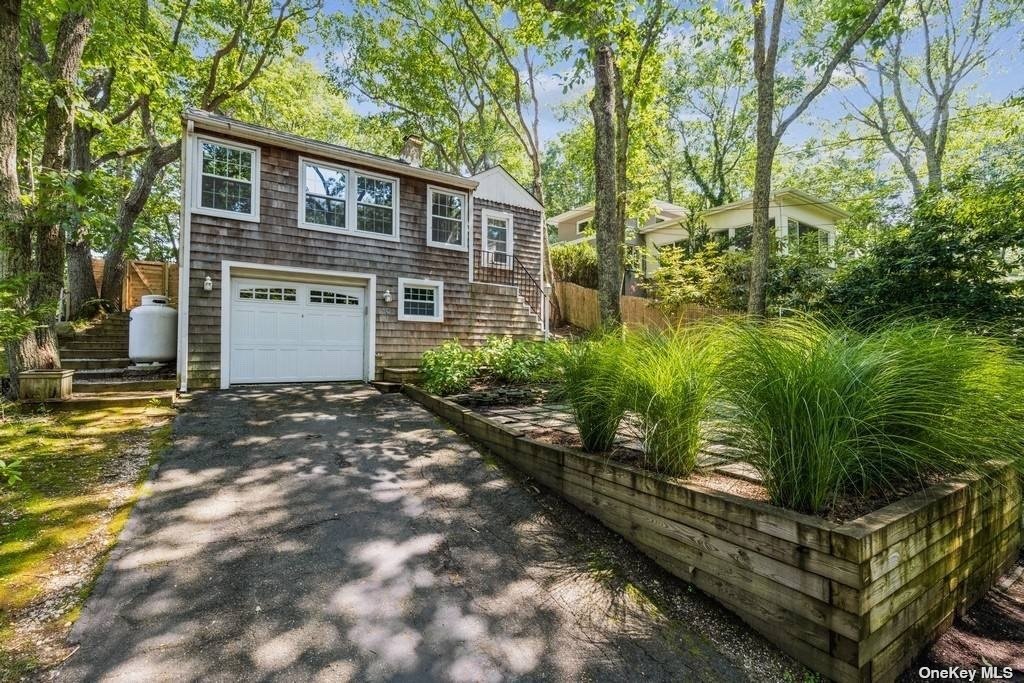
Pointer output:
x,y
412,150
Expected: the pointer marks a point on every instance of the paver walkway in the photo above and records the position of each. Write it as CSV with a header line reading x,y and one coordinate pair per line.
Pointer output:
x,y
331,533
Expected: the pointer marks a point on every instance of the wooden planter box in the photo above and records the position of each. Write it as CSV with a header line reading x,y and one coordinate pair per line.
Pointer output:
x,y
45,385
854,602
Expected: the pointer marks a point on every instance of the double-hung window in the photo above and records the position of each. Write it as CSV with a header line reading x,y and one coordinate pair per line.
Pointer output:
x,y
420,300
497,238
339,199
446,219
227,179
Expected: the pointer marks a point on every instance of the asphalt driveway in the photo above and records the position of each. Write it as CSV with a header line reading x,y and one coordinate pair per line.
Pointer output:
x,y
332,533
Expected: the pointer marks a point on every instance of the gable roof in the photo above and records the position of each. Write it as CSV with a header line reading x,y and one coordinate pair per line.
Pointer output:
x,y
497,185
799,197
661,207
218,123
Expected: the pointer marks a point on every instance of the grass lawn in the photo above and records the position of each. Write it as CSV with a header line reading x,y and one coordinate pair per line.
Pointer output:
x,y
81,474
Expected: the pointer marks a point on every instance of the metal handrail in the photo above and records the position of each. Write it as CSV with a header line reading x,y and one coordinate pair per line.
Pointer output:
x,y
499,267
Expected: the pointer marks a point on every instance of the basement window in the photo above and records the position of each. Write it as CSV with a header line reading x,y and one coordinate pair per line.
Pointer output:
x,y
420,300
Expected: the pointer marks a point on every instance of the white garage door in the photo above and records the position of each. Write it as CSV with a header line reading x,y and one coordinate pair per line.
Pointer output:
x,y
295,332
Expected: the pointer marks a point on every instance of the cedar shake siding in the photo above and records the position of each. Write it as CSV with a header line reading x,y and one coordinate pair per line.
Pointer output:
x,y
472,311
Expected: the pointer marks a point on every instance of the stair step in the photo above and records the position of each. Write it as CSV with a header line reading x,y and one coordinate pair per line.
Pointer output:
x,y
94,363
124,399
120,385
116,352
386,387
83,344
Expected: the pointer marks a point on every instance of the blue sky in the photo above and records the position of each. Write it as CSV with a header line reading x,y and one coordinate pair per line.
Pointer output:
x,y
1001,77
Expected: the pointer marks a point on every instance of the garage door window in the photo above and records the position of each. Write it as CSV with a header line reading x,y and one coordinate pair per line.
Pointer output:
x,y
323,296
267,294
421,300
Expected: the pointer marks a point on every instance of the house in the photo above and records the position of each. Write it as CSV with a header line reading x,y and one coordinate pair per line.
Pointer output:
x,y
792,213
307,261
574,225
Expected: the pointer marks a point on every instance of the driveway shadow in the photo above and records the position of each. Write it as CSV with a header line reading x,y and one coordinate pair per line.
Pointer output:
x,y
332,533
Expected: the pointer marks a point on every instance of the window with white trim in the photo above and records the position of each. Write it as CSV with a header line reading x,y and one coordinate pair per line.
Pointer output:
x,y
339,199
497,238
420,300
228,179
446,219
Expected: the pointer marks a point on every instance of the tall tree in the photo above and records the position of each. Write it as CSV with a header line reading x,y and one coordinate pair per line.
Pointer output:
x,y
710,94
220,49
839,26
912,80
34,245
621,51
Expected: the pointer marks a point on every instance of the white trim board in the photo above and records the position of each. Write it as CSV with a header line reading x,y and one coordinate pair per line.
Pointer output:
x,y
251,269
431,191
438,285
351,203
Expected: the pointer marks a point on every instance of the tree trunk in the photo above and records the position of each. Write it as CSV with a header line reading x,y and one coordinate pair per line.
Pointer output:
x,y
82,295
15,245
132,205
610,234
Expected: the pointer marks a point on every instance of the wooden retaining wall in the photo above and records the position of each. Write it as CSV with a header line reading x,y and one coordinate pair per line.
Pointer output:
x,y
854,602
578,306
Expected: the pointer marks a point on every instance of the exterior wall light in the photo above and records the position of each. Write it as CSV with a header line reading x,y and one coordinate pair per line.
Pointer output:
x,y
208,284
387,296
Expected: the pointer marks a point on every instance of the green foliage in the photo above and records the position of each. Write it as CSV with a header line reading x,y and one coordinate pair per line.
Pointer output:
x,y
954,256
575,262
712,277
824,411
15,320
669,383
10,471
449,368
520,362
593,385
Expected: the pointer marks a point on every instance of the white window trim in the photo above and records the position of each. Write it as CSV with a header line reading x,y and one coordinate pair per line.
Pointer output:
x,y
438,316
195,170
431,191
350,201
485,246
581,222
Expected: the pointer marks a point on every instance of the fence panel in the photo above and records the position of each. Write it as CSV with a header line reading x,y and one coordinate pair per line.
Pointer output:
x,y
143,278
579,307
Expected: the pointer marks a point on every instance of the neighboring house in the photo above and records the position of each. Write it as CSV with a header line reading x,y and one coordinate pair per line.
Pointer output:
x,y
306,261
792,213
575,225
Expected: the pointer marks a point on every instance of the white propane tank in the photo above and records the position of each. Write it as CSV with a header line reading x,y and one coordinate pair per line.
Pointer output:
x,y
153,331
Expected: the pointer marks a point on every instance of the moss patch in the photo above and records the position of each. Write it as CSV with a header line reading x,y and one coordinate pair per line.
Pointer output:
x,y
82,473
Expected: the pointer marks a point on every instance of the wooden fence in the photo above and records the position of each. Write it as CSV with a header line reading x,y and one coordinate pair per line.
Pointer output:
x,y
579,307
142,278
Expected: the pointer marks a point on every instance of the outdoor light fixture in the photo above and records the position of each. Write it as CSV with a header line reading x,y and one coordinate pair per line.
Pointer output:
x,y
208,284
387,296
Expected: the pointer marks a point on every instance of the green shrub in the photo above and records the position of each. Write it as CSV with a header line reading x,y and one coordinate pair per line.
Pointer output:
x,y
575,262
449,368
669,385
592,385
824,411
520,362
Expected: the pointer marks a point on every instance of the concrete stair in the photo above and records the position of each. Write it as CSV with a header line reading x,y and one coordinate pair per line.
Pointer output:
x,y
121,399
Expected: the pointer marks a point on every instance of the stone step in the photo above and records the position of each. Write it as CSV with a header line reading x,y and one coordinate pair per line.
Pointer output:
x,y
106,352
95,345
120,385
125,399
386,387
94,363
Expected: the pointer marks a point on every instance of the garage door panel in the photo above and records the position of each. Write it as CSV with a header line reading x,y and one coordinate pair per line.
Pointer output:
x,y
296,332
